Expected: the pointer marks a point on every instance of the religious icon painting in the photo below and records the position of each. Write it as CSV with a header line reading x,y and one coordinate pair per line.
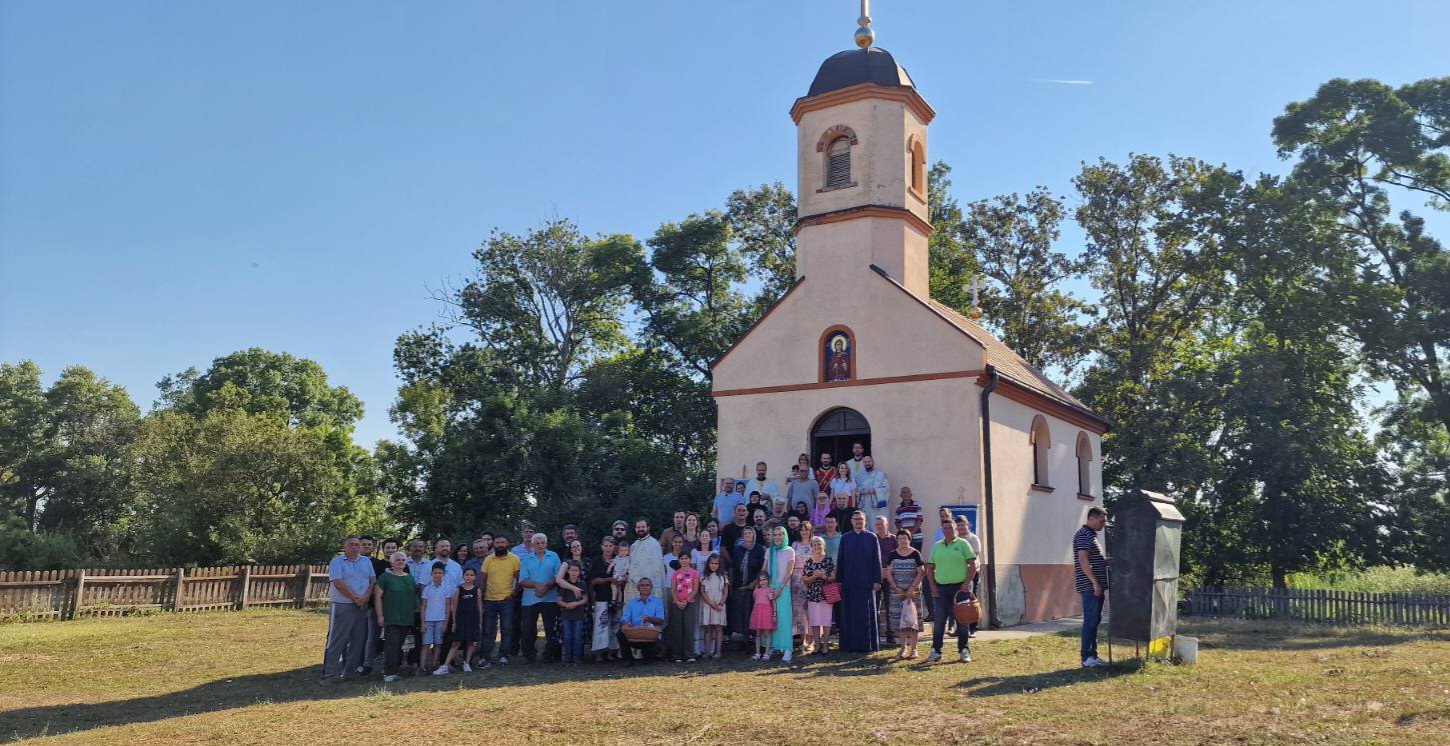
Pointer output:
x,y
838,357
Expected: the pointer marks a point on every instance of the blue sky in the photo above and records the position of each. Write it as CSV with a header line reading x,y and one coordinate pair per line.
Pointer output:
x,y
179,180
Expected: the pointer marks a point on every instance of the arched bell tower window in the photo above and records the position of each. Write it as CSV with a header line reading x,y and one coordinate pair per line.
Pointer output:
x,y
838,163
835,148
917,153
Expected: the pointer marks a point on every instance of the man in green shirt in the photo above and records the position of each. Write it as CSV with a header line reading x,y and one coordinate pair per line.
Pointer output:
x,y
395,603
951,565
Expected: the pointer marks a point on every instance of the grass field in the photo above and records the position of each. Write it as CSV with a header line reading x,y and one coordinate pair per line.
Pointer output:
x,y
251,678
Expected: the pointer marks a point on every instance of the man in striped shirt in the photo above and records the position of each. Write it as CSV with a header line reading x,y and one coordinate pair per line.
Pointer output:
x,y
1091,574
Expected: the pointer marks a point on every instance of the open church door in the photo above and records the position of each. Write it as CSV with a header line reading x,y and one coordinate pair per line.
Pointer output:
x,y
835,431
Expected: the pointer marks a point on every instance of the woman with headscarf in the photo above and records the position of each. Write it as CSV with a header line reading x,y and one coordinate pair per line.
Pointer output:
x,y
780,562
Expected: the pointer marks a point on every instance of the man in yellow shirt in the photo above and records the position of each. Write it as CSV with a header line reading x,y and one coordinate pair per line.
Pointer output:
x,y
500,578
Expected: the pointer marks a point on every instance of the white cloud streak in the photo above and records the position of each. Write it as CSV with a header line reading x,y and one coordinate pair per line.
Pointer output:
x,y
1060,81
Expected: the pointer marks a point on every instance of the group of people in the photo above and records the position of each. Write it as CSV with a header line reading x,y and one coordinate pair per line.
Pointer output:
x,y
774,580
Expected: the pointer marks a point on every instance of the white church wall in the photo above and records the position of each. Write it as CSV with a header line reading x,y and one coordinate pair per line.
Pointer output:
x,y
924,434
894,334
1034,526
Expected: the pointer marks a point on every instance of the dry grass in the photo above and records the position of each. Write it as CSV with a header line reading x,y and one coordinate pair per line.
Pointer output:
x,y
250,678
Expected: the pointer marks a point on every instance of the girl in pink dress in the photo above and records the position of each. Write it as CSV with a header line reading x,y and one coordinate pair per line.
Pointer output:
x,y
762,615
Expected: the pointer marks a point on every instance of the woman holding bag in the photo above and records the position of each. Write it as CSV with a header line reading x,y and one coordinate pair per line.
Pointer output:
x,y
903,574
819,570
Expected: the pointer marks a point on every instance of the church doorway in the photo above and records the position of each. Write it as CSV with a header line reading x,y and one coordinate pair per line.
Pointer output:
x,y
835,431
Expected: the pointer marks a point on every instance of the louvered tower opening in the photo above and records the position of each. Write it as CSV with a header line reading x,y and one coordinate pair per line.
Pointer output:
x,y
838,163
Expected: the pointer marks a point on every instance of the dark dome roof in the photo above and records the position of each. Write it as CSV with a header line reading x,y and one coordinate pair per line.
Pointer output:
x,y
856,66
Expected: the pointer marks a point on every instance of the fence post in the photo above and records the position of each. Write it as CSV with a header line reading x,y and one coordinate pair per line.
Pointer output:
x,y
80,592
304,582
244,581
178,599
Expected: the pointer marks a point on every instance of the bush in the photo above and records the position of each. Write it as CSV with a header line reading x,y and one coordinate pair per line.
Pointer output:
x,y
1378,580
22,549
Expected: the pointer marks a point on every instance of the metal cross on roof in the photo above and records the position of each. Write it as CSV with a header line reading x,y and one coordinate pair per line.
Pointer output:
x,y
976,285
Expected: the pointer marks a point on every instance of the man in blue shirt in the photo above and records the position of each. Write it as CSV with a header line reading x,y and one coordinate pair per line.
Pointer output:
x,y
350,589
726,501
537,576
646,612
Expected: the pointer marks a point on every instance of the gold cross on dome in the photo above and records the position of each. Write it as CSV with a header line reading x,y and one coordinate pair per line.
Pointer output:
x,y
864,34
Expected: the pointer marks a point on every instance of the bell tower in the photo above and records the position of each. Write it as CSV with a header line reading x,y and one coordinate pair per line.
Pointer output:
x,y
861,136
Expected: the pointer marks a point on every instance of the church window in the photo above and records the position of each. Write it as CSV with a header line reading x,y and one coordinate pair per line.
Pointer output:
x,y
1040,440
1084,466
918,168
838,163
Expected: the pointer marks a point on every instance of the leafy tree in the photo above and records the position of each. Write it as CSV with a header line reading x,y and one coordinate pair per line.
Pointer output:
x,y
1012,238
691,289
1356,141
950,262
62,452
230,486
547,301
1153,255
259,381
24,549
762,220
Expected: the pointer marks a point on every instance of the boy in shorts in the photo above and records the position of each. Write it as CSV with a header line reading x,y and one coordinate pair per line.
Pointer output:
x,y
436,611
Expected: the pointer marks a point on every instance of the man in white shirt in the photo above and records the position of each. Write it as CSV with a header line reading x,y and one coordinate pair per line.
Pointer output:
x,y
873,490
857,462
767,489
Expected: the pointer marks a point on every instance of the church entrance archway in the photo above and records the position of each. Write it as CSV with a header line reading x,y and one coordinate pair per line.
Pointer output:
x,y
835,431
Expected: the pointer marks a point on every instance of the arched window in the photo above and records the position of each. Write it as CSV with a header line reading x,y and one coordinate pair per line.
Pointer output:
x,y
918,168
1084,466
838,163
1041,440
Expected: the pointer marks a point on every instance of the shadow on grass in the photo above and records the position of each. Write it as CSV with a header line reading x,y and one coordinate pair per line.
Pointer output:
x,y
301,684
996,686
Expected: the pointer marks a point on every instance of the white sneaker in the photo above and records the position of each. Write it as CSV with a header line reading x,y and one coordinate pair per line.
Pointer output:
x,y
966,657
467,668
755,657
442,670
786,658
1094,662
503,660
934,657
390,678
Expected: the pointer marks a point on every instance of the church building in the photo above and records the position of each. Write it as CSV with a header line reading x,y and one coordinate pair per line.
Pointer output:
x,y
858,351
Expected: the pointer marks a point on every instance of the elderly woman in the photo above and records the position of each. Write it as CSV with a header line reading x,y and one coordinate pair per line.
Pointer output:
x,y
818,570
903,574
780,563
802,549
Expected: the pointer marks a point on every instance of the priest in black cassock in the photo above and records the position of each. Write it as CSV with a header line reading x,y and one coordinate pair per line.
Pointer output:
x,y
858,570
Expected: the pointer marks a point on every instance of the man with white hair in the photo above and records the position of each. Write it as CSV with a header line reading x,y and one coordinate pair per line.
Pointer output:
x,y
537,574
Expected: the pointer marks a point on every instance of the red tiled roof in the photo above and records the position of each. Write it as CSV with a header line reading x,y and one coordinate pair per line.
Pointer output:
x,y
1007,362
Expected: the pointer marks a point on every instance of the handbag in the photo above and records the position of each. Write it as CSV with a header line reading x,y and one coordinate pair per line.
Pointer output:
x,y
831,592
908,614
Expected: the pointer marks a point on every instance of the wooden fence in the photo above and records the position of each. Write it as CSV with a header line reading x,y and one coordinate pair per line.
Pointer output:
x,y
65,594
1344,607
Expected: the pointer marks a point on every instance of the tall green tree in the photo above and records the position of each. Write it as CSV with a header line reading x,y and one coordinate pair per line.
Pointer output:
x,y
1013,239
762,222
1154,256
1358,143
950,262
63,467
260,381
546,301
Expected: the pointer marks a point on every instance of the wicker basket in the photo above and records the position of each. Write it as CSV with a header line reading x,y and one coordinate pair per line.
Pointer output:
x,y
642,634
966,609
